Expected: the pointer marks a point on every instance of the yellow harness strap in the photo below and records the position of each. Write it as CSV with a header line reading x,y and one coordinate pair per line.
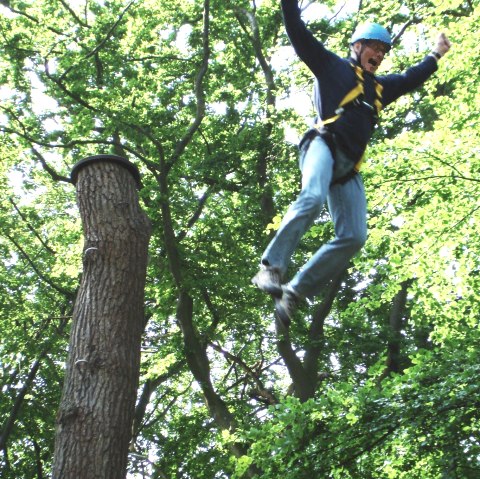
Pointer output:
x,y
352,95
378,100
378,106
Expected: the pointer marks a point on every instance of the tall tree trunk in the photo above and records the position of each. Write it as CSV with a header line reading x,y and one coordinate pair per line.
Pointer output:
x,y
94,422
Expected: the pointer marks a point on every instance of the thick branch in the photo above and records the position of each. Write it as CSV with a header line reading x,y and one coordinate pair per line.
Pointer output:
x,y
196,215
55,176
10,422
197,359
301,383
256,42
168,231
396,324
305,375
266,199
149,388
198,362
199,92
315,333
64,88
399,35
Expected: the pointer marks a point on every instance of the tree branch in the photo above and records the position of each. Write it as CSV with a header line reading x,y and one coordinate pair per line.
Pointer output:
x,y
62,87
395,323
68,294
149,388
315,333
198,89
6,3
9,424
101,44
196,215
256,42
296,370
266,198
55,176
73,14
31,228
265,393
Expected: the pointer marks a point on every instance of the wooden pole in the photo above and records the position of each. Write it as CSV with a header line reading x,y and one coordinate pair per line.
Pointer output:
x,y
94,421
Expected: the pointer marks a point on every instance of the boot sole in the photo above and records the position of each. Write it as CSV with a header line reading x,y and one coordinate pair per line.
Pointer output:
x,y
275,291
281,315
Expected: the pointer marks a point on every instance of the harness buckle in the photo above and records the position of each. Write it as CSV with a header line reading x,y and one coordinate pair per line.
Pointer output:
x,y
370,107
360,102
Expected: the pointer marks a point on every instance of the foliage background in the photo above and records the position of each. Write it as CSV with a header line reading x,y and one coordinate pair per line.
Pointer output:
x,y
383,382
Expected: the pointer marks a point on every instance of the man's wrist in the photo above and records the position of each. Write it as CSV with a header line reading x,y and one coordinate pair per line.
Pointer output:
x,y
435,54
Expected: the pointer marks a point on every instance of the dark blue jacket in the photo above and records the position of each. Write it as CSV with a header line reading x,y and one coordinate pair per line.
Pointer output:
x,y
335,77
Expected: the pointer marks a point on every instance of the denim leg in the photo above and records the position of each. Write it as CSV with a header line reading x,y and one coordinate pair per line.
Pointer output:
x,y
316,166
348,209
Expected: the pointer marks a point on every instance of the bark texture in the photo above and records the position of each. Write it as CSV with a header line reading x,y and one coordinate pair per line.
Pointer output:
x,y
94,421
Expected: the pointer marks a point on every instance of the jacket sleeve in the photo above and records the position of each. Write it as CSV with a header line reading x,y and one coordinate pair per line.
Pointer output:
x,y
396,85
308,48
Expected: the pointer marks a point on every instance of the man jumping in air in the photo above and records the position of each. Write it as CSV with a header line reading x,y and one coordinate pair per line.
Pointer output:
x,y
348,98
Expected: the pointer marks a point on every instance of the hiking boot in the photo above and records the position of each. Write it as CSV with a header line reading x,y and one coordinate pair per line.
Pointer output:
x,y
286,305
268,279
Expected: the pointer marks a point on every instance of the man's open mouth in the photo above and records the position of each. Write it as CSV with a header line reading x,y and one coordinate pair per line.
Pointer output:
x,y
373,62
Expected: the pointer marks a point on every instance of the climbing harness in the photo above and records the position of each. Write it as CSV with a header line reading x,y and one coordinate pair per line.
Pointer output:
x,y
354,98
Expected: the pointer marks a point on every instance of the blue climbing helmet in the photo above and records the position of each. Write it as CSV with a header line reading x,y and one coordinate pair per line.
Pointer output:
x,y
372,31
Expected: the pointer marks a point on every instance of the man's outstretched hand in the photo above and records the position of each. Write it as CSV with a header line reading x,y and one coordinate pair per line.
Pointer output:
x,y
443,44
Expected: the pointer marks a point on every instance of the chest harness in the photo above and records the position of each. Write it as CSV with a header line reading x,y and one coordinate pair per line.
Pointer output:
x,y
354,98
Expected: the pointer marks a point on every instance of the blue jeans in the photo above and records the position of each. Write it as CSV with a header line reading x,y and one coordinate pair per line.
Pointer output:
x,y
348,209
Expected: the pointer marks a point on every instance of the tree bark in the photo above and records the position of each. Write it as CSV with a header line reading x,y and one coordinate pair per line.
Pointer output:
x,y
94,421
